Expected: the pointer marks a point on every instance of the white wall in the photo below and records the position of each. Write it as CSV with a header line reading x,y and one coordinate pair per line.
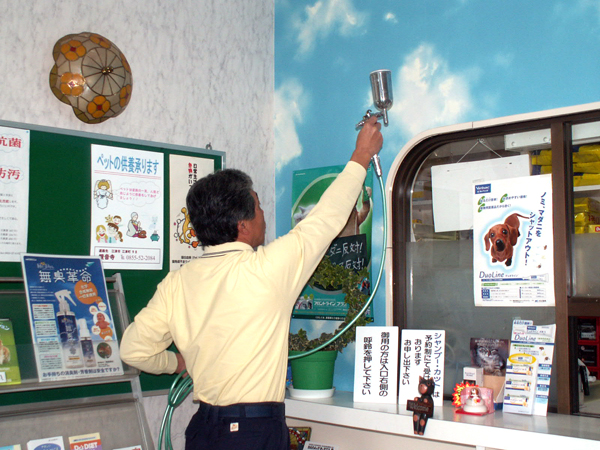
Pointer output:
x,y
202,72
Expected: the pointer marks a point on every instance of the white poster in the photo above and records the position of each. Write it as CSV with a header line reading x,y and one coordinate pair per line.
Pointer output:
x,y
376,365
14,193
127,197
452,186
422,354
513,262
183,172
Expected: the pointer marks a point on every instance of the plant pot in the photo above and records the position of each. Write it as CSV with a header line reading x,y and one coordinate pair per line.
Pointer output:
x,y
313,372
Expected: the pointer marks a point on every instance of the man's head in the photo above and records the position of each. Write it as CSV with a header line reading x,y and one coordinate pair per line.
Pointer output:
x,y
223,208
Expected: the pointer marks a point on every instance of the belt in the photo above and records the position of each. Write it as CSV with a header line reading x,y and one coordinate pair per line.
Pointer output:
x,y
267,409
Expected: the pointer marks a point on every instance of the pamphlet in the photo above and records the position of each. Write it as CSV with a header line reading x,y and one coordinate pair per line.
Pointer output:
x,y
11,447
72,326
528,369
53,443
85,442
9,364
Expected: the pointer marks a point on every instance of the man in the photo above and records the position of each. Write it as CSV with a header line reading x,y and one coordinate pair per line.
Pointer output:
x,y
228,312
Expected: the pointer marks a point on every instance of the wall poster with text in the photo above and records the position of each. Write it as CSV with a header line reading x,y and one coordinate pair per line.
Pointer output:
x,y
184,171
72,326
14,193
127,197
513,262
350,249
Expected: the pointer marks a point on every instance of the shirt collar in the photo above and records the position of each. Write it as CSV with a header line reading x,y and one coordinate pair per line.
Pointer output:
x,y
228,247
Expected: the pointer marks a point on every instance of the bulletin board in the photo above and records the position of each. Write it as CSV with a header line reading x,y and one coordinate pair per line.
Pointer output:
x,y
60,208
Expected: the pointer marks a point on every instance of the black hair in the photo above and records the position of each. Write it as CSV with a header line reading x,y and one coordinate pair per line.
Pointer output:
x,y
217,202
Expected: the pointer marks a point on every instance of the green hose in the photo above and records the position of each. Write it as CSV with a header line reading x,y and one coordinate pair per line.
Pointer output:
x,y
183,385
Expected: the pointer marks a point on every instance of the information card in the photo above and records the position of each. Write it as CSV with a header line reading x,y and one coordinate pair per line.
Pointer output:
x,y
376,365
422,355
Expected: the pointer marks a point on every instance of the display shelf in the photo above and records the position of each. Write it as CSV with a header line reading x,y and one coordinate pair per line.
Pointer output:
x,y
37,409
587,191
498,431
588,343
13,303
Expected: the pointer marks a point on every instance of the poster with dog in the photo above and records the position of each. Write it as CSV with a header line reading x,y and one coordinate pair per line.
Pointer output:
x,y
513,242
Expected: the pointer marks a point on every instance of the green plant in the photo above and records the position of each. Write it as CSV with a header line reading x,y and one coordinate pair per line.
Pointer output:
x,y
331,276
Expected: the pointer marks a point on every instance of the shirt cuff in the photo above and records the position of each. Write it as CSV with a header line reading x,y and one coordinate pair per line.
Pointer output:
x,y
356,169
172,363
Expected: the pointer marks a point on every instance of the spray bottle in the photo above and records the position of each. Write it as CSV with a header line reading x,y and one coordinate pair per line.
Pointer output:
x,y
87,346
67,328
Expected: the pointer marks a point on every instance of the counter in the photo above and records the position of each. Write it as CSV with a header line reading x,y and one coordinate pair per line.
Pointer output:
x,y
499,430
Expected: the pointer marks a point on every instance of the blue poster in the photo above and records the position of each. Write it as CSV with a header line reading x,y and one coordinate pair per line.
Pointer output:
x,y
72,327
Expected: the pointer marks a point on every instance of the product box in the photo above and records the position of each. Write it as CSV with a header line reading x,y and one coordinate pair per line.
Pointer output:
x,y
9,364
473,375
53,443
85,442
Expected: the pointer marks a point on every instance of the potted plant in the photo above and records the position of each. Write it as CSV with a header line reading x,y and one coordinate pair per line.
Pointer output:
x,y
332,277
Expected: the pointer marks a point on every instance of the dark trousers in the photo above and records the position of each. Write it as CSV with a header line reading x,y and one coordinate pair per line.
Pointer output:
x,y
243,426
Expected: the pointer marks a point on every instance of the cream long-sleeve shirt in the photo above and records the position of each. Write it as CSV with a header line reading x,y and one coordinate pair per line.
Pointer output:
x,y
228,312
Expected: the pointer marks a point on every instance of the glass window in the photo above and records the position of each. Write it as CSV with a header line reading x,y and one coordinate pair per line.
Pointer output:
x,y
585,157
439,251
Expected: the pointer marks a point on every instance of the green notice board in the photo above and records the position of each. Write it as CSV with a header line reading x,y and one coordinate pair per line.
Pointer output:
x,y
60,209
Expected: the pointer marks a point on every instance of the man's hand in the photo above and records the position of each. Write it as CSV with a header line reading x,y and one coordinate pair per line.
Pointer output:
x,y
368,142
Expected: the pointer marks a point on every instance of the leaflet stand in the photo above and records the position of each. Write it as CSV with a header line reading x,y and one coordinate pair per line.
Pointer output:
x,y
93,404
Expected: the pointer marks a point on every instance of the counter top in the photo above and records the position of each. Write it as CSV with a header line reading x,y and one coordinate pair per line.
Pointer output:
x,y
499,430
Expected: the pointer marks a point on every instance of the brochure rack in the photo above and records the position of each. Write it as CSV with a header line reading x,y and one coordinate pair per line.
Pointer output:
x,y
110,405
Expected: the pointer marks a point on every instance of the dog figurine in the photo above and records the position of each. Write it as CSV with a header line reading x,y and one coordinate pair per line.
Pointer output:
x,y
425,388
502,237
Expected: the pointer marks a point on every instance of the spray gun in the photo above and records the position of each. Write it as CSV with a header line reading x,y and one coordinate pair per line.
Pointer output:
x,y
381,89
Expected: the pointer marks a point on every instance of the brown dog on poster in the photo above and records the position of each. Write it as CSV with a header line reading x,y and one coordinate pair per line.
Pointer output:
x,y
502,237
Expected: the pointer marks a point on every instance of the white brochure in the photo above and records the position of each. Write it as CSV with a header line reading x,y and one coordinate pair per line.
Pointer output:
x,y
528,368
